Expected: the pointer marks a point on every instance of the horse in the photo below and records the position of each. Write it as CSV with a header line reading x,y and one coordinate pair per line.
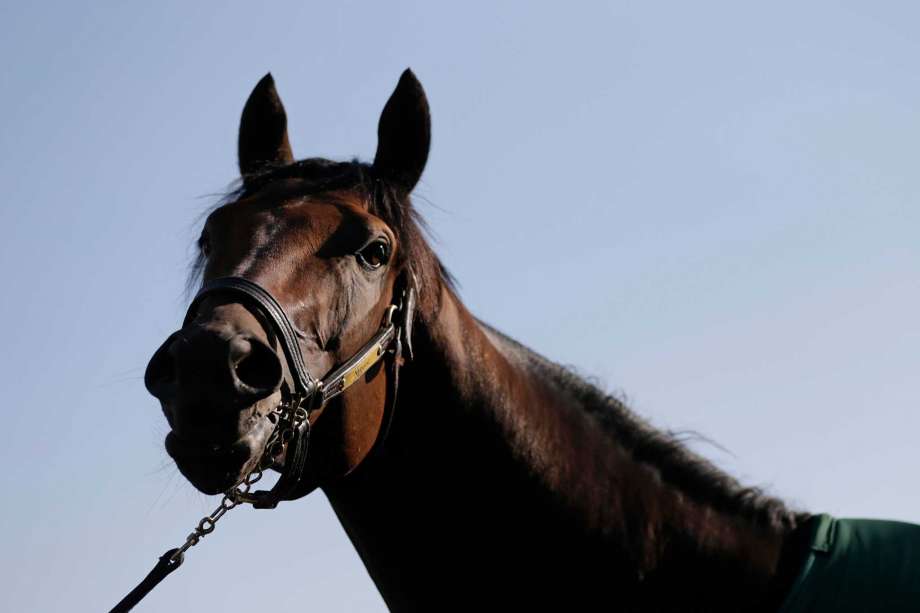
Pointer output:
x,y
468,471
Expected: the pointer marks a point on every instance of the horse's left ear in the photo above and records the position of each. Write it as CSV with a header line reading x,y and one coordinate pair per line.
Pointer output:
x,y
404,135
263,140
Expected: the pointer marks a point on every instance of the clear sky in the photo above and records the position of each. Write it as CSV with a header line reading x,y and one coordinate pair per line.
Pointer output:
x,y
711,207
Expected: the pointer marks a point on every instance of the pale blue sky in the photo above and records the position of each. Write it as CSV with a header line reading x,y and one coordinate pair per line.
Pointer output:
x,y
710,207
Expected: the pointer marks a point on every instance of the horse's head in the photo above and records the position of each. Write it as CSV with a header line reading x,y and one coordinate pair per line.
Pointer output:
x,y
332,243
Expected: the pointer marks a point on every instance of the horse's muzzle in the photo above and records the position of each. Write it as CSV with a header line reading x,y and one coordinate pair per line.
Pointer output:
x,y
217,386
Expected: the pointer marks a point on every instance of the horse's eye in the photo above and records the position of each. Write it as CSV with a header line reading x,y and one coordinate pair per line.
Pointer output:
x,y
375,254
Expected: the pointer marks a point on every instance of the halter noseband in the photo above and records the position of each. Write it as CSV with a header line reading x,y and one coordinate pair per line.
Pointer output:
x,y
304,383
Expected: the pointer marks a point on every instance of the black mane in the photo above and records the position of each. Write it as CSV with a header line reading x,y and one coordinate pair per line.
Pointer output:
x,y
664,451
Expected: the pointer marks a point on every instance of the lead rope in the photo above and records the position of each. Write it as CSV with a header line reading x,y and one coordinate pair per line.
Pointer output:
x,y
172,559
234,497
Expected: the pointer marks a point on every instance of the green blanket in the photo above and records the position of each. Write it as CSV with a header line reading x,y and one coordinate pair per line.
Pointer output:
x,y
859,566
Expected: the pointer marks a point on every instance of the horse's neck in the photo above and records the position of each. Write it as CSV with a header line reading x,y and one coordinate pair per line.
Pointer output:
x,y
496,477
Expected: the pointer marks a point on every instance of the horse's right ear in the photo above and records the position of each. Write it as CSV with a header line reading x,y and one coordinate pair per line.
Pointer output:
x,y
263,140
404,135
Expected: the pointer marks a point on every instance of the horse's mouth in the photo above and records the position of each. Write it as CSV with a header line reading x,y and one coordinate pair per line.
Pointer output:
x,y
214,468
209,468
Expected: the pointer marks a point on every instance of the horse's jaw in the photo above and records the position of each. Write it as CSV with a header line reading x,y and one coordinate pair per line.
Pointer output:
x,y
214,467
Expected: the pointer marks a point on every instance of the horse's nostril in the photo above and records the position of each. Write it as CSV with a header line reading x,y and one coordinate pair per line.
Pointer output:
x,y
203,368
258,368
161,371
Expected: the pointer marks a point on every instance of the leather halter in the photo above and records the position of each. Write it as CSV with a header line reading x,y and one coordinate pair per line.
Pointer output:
x,y
304,392
302,395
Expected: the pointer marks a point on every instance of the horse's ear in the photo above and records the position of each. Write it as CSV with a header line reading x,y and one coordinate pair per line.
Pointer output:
x,y
404,134
263,140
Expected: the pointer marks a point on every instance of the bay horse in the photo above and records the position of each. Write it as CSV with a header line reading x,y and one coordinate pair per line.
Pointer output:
x,y
490,477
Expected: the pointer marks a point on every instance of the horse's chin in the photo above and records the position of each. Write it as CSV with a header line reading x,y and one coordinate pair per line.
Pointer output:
x,y
214,469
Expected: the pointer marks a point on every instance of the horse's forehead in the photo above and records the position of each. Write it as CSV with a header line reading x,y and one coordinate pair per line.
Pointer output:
x,y
265,238
317,216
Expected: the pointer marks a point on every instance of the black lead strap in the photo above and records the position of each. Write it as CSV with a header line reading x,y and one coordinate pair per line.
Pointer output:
x,y
308,394
165,566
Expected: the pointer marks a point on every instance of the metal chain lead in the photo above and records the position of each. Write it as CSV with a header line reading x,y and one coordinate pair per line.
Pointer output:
x,y
231,500
289,415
